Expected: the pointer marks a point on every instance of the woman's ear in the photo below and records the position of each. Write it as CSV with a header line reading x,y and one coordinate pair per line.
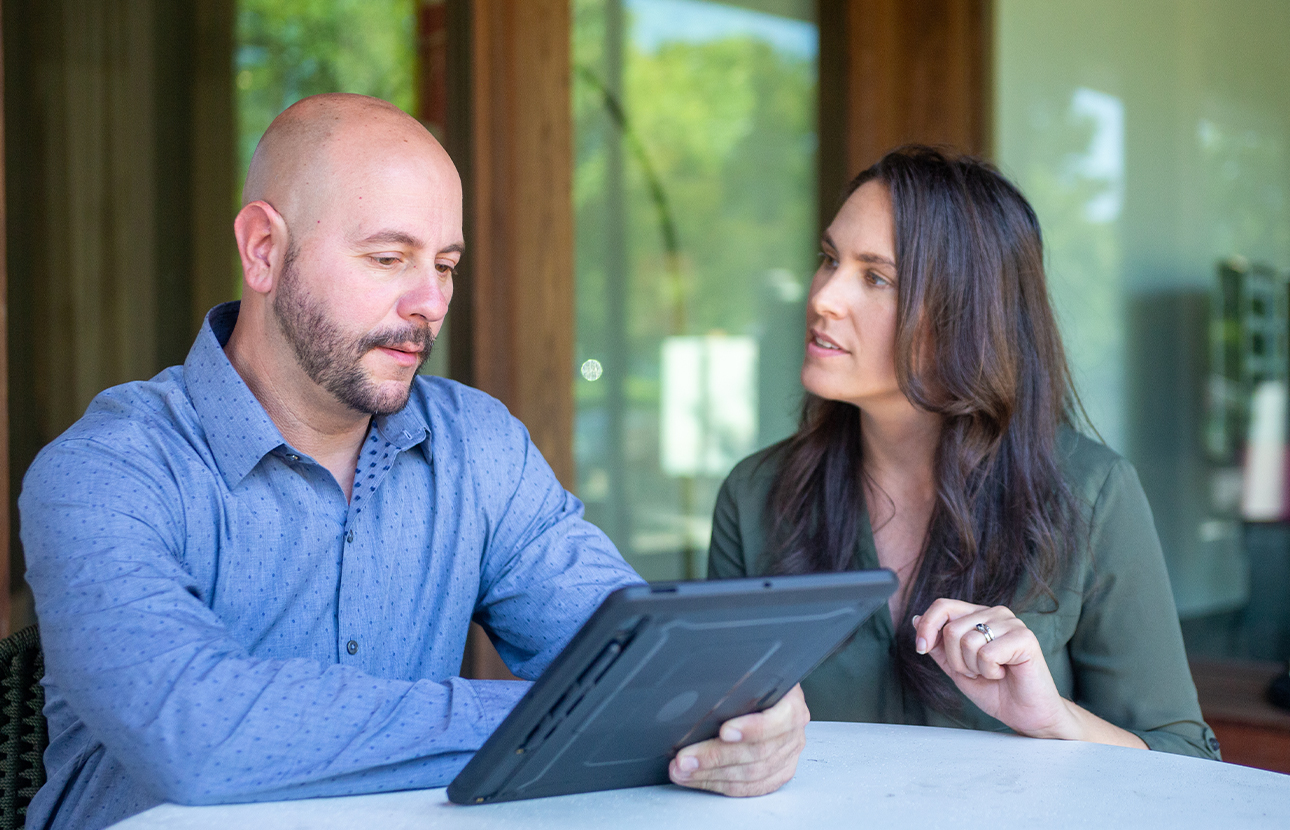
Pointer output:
x,y
262,244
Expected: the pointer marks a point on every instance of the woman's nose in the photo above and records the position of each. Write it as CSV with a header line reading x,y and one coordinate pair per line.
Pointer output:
x,y
826,296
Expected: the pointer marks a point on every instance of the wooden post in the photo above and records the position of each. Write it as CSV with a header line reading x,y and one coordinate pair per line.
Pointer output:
x,y
510,131
5,625
520,240
900,72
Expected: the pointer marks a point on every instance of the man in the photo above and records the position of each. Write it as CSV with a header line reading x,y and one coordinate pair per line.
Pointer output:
x,y
254,573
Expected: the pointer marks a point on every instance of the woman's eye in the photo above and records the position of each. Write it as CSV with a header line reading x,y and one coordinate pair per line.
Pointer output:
x,y
877,279
828,259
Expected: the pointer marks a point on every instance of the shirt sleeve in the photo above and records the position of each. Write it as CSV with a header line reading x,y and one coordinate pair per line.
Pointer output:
x,y
158,680
545,568
726,550
1127,652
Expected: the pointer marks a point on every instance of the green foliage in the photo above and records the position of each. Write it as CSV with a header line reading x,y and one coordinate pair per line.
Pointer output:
x,y
289,49
726,129
729,126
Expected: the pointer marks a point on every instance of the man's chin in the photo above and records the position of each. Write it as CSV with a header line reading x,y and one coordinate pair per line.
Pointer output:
x,y
390,397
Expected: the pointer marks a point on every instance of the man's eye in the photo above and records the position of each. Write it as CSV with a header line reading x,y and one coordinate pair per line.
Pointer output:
x,y
386,261
445,268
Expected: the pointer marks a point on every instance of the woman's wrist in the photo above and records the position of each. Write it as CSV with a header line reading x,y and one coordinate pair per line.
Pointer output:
x,y
1066,724
1075,723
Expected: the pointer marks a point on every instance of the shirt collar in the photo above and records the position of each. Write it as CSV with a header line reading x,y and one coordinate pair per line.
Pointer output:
x,y
405,428
238,430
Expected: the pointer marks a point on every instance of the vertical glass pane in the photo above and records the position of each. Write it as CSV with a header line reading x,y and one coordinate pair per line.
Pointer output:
x,y
694,192
289,49
1154,140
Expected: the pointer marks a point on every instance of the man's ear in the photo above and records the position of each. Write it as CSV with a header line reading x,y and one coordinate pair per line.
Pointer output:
x,y
262,243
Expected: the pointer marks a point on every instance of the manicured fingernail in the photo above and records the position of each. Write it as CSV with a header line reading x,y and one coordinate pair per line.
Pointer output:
x,y
688,763
920,645
731,735
917,617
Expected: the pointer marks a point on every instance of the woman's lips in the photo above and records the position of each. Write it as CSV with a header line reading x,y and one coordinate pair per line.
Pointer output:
x,y
821,345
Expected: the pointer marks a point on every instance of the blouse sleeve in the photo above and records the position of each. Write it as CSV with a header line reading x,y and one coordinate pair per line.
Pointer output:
x,y
726,550
1127,653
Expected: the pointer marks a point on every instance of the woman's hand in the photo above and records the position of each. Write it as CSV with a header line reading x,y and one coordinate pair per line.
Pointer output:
x,y
1006,676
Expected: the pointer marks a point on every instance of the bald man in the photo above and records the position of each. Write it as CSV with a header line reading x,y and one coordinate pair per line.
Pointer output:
x,y
254,573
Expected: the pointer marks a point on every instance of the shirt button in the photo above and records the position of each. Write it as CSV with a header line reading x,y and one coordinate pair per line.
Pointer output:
x,y
1213,744
352,646
349,537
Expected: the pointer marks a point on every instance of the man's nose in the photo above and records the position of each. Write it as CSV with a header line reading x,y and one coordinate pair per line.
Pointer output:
x,y
426,298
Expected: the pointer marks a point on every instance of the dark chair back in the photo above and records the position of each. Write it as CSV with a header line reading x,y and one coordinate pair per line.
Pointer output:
x,y
23,736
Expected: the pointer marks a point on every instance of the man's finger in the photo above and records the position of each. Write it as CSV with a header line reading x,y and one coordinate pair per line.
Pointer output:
x,y
788,714
719,764
715,753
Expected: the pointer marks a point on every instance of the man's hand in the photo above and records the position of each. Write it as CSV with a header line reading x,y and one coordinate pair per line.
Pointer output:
x,y
754,755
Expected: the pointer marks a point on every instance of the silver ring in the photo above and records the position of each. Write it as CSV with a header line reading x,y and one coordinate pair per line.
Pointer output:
x,y
985,629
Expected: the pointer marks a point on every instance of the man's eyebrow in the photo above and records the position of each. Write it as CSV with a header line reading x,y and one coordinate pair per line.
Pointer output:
x,y
454,248
392,238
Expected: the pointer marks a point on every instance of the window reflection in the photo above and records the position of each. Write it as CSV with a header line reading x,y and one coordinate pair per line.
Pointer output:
x,y
694,192
1156,156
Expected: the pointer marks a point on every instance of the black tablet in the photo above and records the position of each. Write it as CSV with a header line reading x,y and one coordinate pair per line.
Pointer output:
x,y
659,667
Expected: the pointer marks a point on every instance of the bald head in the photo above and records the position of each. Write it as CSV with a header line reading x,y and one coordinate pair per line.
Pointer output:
x,y
329,142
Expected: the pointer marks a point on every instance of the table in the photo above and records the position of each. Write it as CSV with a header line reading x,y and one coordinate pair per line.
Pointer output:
x,y
850,775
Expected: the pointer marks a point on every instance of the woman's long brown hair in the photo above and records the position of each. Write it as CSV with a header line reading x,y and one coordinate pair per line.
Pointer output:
x,y
976,341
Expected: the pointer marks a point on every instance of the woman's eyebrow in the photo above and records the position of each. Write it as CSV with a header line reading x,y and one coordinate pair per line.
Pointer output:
x,y
875,259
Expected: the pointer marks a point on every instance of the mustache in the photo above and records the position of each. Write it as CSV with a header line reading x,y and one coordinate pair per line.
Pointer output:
x,y
419,337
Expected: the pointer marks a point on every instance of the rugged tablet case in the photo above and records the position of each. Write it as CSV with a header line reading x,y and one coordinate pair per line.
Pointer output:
x,y
659,667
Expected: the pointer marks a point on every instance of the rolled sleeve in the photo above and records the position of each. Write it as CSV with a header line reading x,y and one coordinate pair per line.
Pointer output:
x,y
1127,651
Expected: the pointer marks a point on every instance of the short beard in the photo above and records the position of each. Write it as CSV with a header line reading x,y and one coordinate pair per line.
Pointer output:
x,y
330,357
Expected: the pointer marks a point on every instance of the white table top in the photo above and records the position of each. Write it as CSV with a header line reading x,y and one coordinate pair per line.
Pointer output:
x,y
850,775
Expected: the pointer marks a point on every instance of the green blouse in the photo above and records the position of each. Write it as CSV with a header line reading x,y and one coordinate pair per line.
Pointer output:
x,y
1113,643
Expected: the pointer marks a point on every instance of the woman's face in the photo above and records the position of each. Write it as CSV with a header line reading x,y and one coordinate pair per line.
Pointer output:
x,y
851,311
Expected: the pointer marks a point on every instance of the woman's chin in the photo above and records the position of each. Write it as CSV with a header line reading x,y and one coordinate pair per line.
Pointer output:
x,y
825,384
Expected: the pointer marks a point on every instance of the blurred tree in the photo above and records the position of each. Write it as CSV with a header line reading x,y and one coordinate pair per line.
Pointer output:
x,y
725,128
289,49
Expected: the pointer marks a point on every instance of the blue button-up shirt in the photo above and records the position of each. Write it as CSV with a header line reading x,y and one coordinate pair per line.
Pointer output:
x,y
220,624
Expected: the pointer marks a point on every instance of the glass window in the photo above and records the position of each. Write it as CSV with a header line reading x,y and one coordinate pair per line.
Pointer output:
x,y
1153,139
289,49
694,192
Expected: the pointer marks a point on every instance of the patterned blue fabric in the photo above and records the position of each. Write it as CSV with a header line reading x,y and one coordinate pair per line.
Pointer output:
x,y
220,625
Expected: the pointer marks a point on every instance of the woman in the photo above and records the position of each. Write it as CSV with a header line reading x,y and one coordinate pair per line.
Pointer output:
x,y
937,441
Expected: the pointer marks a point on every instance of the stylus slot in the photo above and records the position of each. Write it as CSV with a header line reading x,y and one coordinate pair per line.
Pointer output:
x,y
601,664
539,732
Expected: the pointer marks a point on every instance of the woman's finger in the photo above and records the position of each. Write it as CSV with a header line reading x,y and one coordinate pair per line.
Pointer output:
x,y
962,639
927,627
987,628
985,655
